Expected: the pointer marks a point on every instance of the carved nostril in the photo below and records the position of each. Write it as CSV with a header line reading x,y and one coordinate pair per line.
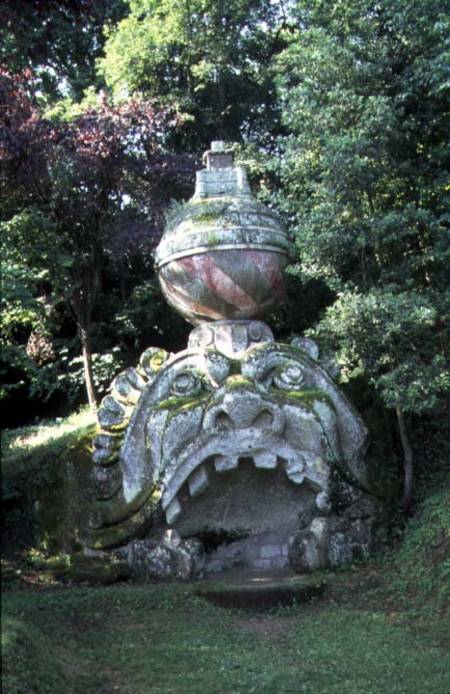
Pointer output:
x,y
244,412
222,420
264,419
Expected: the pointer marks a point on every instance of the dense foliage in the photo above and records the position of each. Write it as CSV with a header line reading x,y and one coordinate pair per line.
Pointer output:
x,y
210,57
364,95
83,203
59,40
340,110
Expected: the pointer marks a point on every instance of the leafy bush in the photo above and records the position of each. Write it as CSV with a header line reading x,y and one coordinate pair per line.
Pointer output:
x,y
65,376
420,569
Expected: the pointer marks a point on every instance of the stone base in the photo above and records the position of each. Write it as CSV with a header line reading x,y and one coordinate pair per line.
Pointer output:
x,y
263,552
257,591
165,558
325,543
331,542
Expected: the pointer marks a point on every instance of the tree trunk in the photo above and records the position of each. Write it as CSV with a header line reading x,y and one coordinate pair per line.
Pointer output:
x,y
82,302
87,365
407,462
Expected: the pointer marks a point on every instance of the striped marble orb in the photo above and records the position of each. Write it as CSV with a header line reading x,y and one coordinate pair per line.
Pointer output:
x,y
224,284
223,253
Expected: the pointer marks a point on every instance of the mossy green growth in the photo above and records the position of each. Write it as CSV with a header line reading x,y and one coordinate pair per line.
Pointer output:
x,y
199,211
213,238
305,398
180,403
422,563
239,382
208,217
123,522
45,480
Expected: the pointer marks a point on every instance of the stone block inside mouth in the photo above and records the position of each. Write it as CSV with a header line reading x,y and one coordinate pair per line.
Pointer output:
x,y
223,463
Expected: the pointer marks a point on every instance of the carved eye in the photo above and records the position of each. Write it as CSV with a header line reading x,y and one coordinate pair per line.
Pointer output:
x,y
186,383
289,376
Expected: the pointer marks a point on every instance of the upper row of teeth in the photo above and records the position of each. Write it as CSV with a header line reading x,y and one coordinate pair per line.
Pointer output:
x,y
199,480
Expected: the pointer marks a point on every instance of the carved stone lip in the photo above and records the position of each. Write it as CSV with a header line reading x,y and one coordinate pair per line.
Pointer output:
x,y
266,451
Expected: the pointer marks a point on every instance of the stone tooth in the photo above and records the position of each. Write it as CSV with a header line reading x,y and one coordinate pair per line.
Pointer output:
x,y
223,463
107,482
128,385
111,413
106,441
295,471
103,456
266,461
198,481
173,511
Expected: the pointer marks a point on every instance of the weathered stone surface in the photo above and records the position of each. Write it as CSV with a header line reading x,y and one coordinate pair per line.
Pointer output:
x,y
332,541
307,345
128,386
112,415
169,559
230,338
245,444
198,482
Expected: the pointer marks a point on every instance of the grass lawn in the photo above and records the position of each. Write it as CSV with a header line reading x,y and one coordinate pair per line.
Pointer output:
x,y
381,627
163,638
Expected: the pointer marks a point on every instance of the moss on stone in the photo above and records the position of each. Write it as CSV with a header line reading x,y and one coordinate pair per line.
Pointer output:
x,y
308,397
180,403
238,381
116,510
96,570
115,535
213,238
202,210
46,487
207,217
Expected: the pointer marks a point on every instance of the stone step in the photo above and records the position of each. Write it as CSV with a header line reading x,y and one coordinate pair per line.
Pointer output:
x,y
260,591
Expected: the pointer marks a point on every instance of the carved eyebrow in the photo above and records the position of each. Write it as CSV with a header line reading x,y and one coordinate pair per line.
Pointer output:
x,y
259,366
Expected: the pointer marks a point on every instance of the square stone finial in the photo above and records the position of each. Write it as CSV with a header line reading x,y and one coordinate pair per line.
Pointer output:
x,y
218,157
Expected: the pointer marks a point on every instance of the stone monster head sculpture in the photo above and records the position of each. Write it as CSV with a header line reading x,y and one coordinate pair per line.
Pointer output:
x,y
237,436
176,422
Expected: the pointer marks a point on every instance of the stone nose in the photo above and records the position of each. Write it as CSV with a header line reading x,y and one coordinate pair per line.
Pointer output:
x,y
240,408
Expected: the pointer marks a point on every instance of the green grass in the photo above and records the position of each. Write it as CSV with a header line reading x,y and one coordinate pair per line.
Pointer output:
x,y
29,445
162,639
380,627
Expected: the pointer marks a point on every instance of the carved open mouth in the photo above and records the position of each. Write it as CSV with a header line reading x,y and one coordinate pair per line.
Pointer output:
x,y
222,454
219,440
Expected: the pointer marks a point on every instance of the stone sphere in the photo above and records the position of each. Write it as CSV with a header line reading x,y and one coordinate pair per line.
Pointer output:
x,y
223,253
